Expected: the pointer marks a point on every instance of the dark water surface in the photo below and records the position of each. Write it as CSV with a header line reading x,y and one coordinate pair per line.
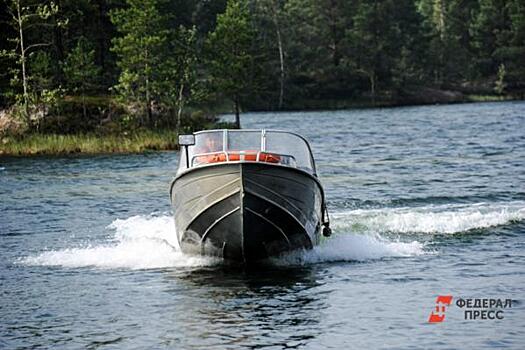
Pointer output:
x,y
425,201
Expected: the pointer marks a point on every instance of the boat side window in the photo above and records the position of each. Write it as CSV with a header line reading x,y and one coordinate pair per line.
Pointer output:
x,y
208,143
208,148
292,145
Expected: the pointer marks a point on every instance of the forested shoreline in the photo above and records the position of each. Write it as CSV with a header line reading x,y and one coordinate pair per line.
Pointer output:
x,y
112,66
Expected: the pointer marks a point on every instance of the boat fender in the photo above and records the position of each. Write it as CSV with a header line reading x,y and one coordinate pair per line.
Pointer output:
x,y
269,157
327,231
242,155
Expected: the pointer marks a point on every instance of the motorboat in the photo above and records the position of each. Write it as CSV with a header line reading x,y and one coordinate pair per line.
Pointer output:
x,y
246,195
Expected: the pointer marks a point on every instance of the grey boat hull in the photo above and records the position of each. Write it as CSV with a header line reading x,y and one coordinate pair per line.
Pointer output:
x,y
246,211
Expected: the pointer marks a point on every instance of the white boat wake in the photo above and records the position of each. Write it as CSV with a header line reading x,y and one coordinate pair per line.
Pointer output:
x,y
149,241
433,219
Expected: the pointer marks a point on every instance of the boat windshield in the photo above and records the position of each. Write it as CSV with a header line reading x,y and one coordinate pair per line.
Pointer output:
x,y
278,147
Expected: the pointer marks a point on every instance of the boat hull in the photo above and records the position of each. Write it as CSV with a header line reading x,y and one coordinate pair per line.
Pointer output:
x,y
246,211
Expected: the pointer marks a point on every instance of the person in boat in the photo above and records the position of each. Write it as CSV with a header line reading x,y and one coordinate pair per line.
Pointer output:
x,y
210,149
212,143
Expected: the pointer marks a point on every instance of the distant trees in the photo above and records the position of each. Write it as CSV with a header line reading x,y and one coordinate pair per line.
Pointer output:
x,y
316,50
164,59
270,19
446,23
158,62
498,40
80,71
353,48
141,53
473,40
230,51
373,41
25,16
181,76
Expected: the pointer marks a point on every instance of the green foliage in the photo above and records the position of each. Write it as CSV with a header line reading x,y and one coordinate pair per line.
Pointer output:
x,y
166,61
133,142
316,50
498,40
24,17
230,49
373,40
81,72
269,19
43,96
141,51
157,62
446,23
180,84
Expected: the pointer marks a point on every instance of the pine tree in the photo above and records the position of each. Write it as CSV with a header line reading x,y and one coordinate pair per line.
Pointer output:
x,y
231,57
374,40
141,51
516,49
80,71
499,39
43,95
450,49
318,52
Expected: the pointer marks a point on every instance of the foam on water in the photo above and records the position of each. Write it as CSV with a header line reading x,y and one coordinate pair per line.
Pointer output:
x,y
149,241
145,242
139,242
353,247
439,219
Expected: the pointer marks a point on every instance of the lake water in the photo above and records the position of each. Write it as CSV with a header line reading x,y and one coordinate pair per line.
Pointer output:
x,y
424,201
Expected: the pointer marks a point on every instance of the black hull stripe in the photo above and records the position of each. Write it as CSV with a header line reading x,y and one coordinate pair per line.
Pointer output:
x,y
291,204
204,236
237,191
278,206
273,224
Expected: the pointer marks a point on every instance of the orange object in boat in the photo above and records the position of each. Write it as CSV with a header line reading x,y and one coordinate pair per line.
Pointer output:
x,y
236,156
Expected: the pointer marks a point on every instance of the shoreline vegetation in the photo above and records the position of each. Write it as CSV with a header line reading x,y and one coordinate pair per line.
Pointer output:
x,y
145,140
129,75
55,144
426,97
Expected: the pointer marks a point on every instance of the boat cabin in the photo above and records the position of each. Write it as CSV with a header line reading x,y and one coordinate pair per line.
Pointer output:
x,y
266,146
